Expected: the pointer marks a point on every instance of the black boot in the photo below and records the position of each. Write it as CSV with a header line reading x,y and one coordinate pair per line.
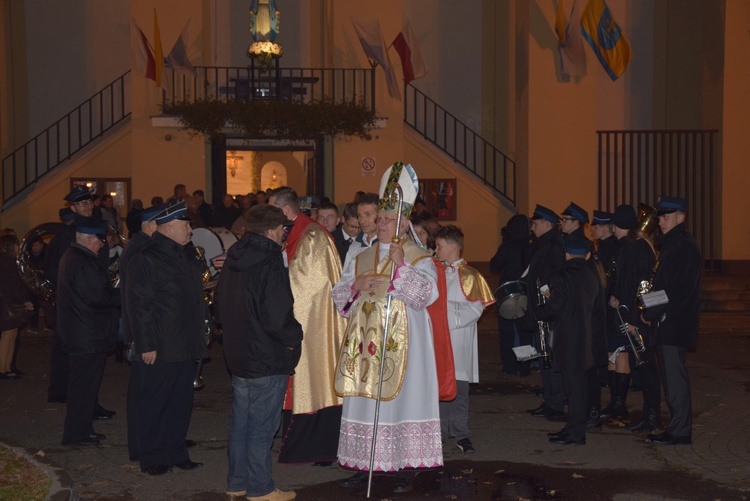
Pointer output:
x,y
611,386
650,422
594,419
618,407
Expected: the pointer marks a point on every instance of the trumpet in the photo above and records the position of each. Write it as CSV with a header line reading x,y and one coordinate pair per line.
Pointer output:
x,y
545,352
635,339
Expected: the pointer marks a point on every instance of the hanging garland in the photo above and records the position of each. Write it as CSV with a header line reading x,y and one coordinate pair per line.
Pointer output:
x,y
274,118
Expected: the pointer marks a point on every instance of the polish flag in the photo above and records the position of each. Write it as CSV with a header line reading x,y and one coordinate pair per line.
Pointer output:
x,y
145,64
411,59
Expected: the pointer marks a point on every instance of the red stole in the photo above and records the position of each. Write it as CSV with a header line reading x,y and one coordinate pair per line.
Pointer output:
x,y
301,222
441,335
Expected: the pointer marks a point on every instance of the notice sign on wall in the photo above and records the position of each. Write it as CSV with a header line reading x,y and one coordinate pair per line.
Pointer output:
x,y
367,166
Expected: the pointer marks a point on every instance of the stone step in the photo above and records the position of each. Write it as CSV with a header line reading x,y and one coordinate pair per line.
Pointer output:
x,y
727,305
726,295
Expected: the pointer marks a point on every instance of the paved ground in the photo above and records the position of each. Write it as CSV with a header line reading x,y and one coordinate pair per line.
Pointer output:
x,y
513,459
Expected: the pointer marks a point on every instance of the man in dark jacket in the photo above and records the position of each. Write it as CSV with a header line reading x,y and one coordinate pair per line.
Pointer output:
x,y
262,345
139,241
168,320
678,273
548,259
87,324
573,296
511,260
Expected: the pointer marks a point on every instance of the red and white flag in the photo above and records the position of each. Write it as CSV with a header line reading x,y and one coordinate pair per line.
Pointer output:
x,y
411,58
371,38
145,63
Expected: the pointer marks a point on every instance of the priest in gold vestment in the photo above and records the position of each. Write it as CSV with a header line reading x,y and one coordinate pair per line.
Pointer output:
x,y
312,410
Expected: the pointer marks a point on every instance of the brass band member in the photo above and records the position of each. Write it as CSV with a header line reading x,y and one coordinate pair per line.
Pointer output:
x,y
676,323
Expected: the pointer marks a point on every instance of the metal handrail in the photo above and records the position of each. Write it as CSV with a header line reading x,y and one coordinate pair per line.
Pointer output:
x,y
67,136
636,166
251,83
466,147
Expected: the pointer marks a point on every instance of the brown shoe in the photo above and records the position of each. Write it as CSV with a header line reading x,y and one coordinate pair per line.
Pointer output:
x,y
275,495
236,496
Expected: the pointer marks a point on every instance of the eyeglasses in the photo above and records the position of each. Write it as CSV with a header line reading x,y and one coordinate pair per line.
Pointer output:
x,y
569,219
385,220
83,202
101,238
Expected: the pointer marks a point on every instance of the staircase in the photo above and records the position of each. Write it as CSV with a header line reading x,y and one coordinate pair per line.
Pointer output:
x,y
725,292
59,142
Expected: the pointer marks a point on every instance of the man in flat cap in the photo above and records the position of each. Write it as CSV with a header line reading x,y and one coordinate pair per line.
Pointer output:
x,y
87,323
262,345
548,259
168,319
675,324
573,295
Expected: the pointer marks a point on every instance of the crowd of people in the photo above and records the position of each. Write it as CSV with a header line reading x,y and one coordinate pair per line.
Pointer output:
x,y
344,325
625,304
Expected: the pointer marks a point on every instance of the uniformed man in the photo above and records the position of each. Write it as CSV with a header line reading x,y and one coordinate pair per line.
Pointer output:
x,y
572,298
548,259
136,244
168,321
80,203
675,323
87,324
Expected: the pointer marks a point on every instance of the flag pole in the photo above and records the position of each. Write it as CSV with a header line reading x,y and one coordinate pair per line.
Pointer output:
x,y
396,192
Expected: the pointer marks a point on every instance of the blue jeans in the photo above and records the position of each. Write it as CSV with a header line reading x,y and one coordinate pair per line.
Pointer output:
x,y
256,410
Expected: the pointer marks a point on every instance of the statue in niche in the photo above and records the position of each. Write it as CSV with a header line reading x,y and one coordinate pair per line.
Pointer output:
x,y
264,20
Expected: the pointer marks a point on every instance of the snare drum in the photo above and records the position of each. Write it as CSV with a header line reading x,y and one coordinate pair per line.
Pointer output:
x,y
215,241
511,299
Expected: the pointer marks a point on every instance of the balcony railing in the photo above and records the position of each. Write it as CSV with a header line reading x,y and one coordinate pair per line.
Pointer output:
x,y
66,137
253,83
467,148
636,166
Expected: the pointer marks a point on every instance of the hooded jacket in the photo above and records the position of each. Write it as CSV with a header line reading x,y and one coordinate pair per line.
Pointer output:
x,y
256,309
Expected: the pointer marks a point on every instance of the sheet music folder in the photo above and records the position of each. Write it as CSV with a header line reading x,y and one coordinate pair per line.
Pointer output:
x,y
526,353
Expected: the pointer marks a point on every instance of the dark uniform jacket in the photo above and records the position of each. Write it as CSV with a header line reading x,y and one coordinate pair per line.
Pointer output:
x,y
164,302
87,304
679,275
136,244
342,242
607,255
512,257
256,309
573,300
549,258
635,264
55,250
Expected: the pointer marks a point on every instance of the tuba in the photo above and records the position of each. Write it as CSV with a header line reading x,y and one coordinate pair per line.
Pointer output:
x,y
33,278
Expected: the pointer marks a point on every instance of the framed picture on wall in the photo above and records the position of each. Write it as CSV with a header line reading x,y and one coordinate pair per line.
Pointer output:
x,y
439,196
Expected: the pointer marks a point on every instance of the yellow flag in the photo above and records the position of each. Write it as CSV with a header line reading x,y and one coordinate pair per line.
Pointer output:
x,y
158,53
604,35
561,25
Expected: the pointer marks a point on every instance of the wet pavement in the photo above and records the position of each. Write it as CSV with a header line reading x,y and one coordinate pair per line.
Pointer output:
x,y
513,461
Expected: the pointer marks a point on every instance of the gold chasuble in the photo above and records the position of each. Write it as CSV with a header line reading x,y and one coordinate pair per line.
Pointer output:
x,y
358,369
314,268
